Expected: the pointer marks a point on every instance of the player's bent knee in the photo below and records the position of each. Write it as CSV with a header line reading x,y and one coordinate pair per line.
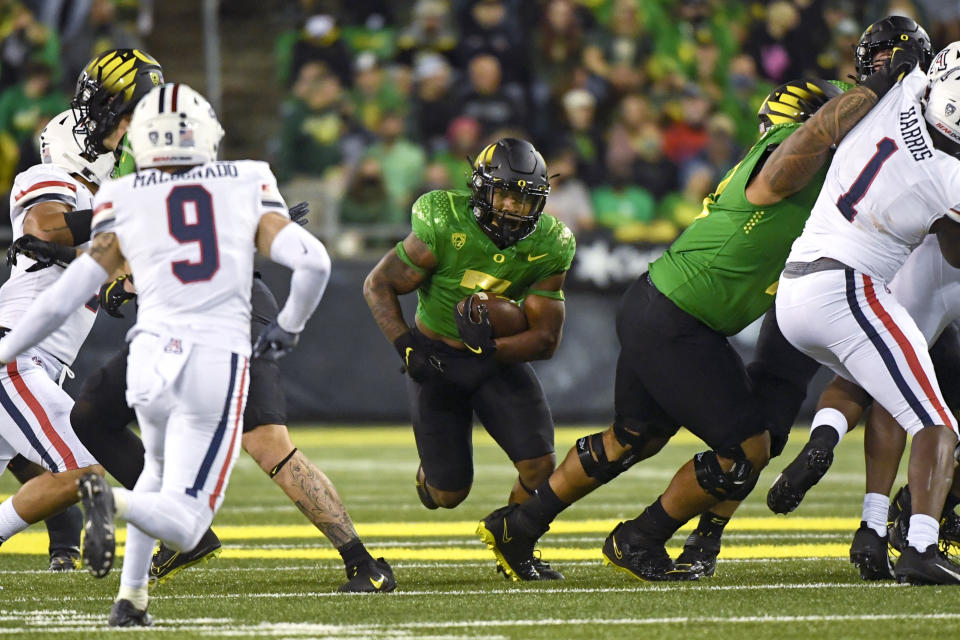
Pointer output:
x,y
535,471
734,484
593,458
758,450
449,499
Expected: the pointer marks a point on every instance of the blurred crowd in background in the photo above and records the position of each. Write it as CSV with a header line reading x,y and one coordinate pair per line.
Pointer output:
x,y
639,106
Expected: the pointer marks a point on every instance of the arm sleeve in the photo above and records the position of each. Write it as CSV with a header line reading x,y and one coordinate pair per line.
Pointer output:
x,y
54,306
297,249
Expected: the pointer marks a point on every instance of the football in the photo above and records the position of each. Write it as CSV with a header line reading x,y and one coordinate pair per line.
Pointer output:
x,y
506,316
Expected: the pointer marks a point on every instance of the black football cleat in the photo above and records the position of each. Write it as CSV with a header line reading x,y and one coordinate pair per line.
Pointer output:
x,y
699,555
950,535
927,567
64,560
99,541
647,564
545,571
166,563
512,548
798,477
124,614
898,519
369,576
868,553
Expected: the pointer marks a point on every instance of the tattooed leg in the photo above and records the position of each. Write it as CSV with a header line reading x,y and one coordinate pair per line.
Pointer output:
x,y
301,480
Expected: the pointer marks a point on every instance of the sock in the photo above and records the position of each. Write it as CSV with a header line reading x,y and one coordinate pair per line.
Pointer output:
x,y
875,506
64,529
711,525
136,595
923,531
10,521
653,527
353,553
829,427
543,507
120,502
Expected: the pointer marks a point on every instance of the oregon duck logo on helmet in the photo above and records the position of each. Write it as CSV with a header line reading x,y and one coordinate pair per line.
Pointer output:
x,y
108,88
795,101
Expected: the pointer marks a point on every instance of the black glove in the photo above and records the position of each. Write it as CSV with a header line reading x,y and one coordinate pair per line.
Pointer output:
x,y
902,61
299,212
46,254
274,343
418,360
113,296
476,336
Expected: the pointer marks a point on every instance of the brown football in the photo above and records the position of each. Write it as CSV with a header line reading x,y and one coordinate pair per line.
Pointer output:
x,y
506,316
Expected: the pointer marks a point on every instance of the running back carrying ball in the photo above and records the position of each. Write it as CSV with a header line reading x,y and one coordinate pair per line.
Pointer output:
x,y
506,316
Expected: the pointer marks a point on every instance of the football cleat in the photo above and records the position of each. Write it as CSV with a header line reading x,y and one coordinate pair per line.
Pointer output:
x,y
124,614
647,564
166,563
369,576
927,567
63,560
99,542
699,555
798,477
545,571
868,552
950,535
512,548
898,518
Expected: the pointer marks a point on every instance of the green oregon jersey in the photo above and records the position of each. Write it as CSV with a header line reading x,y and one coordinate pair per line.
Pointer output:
x,y
468,261
724,268
125,164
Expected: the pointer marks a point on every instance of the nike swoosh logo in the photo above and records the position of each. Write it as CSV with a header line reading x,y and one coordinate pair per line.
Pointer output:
x,y
506,538
616,550
377,583
406,356
477,351
952,573
535,258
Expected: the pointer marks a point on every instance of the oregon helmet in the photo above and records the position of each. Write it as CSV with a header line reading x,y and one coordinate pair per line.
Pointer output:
x,y
509,167
892,31
795,101
108,88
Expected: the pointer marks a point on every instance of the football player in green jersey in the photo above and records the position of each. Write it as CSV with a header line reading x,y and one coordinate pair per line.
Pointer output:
x,y
676,366
493,237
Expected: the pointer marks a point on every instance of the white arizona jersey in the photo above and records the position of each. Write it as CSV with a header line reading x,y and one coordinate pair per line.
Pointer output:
x,y
189,240
886,185
45,183
929,288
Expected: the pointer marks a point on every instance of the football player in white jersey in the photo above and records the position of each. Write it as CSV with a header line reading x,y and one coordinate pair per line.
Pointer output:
x,y
188,226
52,201
894,179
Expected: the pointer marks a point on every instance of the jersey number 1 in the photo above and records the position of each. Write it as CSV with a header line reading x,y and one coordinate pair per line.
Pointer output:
x,y
846,203
201,231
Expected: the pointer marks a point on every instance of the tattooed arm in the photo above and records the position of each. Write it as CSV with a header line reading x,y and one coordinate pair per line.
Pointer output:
x,y
798,158
391,278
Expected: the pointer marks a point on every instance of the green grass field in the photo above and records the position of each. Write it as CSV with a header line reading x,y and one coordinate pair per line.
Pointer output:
x,y
779,577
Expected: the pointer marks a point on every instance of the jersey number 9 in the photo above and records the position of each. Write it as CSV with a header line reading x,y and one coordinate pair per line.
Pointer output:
x,y
201,231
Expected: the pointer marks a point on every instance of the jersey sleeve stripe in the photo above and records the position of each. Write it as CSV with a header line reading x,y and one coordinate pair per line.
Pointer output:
x,y
102,207
48,184
103,219
68,200
272,203
45,188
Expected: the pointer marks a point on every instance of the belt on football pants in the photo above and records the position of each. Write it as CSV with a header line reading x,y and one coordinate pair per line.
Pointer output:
x,y
798,269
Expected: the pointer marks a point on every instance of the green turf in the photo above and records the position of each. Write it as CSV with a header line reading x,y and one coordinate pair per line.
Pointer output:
x,y
294,597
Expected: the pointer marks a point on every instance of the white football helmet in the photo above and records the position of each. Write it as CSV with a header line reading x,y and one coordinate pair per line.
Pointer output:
x,y
58,146
174,125
947,59
943,107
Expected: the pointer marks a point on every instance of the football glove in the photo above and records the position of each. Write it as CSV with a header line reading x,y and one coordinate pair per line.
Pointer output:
x,y
46,254
418,361
477,336
902,61
274,343
299,212
113,295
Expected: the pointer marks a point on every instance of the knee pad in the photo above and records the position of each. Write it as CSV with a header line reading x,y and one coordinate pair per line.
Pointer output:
x,y
735,484
593,459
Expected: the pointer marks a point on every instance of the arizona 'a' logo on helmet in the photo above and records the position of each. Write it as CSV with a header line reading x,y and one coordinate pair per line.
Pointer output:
x,y
508,168
893,31
108,88
795,101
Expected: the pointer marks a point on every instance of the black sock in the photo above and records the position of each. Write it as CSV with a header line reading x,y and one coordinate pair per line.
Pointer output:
x,y
64,529
950,504
353,553
825,434
543,507
653,527
711,525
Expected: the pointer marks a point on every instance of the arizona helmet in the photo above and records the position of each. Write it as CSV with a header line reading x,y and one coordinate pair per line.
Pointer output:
x,y
947,59
108,88
795,101
509,166
892,31
60,147
174,125
942,111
